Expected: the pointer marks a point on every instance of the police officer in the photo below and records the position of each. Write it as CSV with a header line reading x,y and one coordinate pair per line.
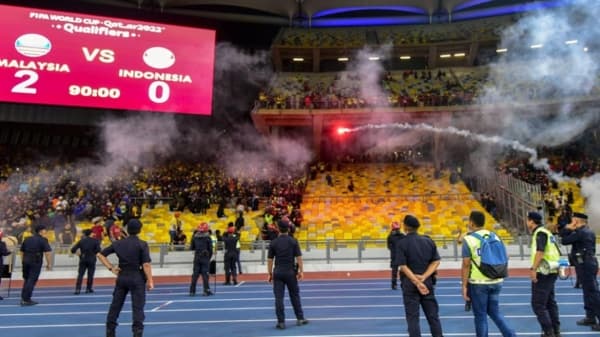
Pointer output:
x,y
543,273
284,250
86,248
202,246
230,241
32,250
3,252
583,241
392,241
134,274
418,259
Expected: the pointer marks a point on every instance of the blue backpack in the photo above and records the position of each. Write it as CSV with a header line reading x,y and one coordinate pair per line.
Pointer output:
x,y
494,260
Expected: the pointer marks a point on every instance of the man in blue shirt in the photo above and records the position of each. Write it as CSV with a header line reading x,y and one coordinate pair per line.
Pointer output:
x,y
482,291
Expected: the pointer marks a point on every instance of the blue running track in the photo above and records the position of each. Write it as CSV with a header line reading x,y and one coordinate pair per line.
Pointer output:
x,y
335,308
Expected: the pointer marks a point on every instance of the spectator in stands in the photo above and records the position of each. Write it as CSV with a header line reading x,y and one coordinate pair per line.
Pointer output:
x,y
176,226
239,208
221,209
351,185
59,220
67,236
255,202
180,240
116,232
239,221
97,229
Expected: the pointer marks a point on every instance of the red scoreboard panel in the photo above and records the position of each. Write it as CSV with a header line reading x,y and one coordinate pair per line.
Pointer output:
x,y
61,58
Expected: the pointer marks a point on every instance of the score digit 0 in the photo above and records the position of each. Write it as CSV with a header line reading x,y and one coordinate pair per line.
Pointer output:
x,y
153,92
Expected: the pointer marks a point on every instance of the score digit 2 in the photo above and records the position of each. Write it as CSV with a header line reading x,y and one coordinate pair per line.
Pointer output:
x,y
24,87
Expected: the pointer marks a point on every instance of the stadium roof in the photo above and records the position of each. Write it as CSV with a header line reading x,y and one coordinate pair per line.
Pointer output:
x,y
339,12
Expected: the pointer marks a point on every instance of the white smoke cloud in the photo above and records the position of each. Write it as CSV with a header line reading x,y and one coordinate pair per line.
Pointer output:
x,y
590,189
239,74
560,70
366,70
137,141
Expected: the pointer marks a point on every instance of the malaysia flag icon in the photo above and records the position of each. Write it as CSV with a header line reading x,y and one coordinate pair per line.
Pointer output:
x,y
33,45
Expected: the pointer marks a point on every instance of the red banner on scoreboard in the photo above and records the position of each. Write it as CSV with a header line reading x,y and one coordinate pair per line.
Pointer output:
x,y
61,58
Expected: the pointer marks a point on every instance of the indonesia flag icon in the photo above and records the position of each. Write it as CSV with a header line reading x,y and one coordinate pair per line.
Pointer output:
x,y
33,45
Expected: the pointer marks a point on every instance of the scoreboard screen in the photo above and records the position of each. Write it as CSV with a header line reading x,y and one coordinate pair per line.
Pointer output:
x,y
60,58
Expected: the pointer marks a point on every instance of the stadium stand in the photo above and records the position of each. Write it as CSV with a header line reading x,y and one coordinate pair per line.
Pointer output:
x,y
383,193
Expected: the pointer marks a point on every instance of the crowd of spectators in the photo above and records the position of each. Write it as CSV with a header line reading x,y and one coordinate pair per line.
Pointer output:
x,y
357,37
343,91
56,193
558,198
507,83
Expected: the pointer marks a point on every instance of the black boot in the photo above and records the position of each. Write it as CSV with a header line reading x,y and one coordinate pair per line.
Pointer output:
x,y
110,332
138,333
557,332
587,321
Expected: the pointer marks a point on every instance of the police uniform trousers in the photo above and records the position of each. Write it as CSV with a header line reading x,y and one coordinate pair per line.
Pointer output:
x,y
230,266
32,267
132,281
591,294
238,261
394,267
543,303
413,301
89,264
201,266
282,279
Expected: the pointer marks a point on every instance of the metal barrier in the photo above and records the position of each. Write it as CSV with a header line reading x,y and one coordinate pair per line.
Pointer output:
x,y
315,251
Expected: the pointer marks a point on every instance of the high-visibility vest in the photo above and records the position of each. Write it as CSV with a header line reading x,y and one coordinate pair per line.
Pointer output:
x,y
474,244
551,252
214,240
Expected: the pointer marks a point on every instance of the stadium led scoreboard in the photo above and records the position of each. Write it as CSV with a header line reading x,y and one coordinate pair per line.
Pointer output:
x,y
69,59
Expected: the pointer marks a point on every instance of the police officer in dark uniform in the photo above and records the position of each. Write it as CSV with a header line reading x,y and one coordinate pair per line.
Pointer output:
x,y
134,274
583,241
418,258
86,248
392,241
284,250
230,242
3,252
33,249
202,246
